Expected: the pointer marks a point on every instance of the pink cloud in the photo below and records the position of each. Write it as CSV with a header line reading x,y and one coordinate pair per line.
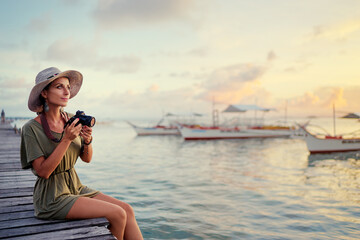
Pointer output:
x,y
320,101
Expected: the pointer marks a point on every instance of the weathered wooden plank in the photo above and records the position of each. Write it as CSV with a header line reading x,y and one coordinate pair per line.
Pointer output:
x,y
19,172
14,223
16,185
15,201
23,177
10,147
10,155
15,168
104,237
9,158
11,165
9,169
19,190
48,226
16,215
20,178
21,208
79,233
16,194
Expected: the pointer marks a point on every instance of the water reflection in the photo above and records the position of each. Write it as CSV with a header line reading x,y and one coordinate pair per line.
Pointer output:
x,y
227,189
336,156
335,181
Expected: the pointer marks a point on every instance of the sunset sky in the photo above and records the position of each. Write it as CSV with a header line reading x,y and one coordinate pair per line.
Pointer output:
x,y
141,58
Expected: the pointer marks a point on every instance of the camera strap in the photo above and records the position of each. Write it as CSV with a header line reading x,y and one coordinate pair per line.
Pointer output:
x,y
46,127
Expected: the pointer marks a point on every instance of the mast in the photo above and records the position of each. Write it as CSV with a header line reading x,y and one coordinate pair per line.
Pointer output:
x,y
215,115
286,104
334,119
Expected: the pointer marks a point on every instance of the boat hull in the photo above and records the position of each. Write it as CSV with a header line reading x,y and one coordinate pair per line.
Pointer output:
x,y
316,144
189,133
156,131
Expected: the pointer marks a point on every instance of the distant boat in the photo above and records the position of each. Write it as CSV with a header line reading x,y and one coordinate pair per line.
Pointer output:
x,y
198,132
213,133
329,144
160,129
155,130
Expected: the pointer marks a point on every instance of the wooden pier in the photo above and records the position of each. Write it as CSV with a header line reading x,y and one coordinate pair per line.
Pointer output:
x,y
17,219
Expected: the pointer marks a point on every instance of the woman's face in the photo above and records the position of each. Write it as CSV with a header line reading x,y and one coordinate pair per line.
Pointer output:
x,y
58,93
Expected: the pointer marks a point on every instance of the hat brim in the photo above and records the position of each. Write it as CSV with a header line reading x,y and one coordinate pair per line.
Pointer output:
x,y
75,80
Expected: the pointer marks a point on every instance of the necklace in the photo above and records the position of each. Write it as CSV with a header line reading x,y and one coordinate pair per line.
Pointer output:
x,y
46,127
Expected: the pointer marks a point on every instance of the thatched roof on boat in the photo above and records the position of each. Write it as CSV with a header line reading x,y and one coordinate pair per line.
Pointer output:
x,y
352,115
244,108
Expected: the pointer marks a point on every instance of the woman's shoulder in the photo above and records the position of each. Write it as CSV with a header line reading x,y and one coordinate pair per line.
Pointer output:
x,y
32,124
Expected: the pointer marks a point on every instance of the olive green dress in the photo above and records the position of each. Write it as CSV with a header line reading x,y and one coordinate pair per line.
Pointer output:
x,y
53,197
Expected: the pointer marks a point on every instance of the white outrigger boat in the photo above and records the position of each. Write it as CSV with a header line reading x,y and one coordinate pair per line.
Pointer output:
x,y
196,132
329,144
213,133
159,129
155,130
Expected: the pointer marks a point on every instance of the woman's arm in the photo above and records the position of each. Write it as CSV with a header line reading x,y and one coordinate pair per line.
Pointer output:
x,y
45,166
86,155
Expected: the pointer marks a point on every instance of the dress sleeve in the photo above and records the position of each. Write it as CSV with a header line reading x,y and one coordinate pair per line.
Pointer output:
x,y
30,147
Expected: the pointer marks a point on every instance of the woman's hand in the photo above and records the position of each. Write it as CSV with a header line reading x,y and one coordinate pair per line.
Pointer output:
x,y
72,131
85,133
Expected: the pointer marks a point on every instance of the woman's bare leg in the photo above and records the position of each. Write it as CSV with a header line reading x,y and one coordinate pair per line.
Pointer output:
x,y
85,208
132,230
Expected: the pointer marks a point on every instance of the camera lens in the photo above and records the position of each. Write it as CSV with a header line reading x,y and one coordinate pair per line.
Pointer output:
x,y
92,123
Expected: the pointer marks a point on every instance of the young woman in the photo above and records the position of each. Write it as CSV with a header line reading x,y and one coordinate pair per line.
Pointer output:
x,y
51,152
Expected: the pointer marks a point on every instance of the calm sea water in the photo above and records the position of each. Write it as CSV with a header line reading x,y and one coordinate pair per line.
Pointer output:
x,y
228,189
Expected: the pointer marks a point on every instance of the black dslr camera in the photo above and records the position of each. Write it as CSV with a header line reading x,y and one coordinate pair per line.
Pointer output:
x,y
83,119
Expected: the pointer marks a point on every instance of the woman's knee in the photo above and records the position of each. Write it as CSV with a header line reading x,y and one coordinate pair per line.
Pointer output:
x,y
117,214
129,210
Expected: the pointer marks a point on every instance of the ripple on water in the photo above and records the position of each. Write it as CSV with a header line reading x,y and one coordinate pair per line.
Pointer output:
x,y
241,189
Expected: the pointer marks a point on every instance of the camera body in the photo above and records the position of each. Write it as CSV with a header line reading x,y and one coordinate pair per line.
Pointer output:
x,y
83,119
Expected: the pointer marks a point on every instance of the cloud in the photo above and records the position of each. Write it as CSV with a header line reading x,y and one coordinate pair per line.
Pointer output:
x,y
153,88
341,31
70,52
67,50
71,3
124,64
40,24
181,75
152,102
298,66
14,101
271,56
14,83
198,52
320,101
116,14
228,85
232,83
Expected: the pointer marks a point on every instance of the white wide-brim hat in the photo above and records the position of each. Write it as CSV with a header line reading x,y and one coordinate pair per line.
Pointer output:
x,y
48,75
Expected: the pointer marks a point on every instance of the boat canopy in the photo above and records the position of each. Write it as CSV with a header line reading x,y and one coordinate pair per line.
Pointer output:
x,y
352,115
244,108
